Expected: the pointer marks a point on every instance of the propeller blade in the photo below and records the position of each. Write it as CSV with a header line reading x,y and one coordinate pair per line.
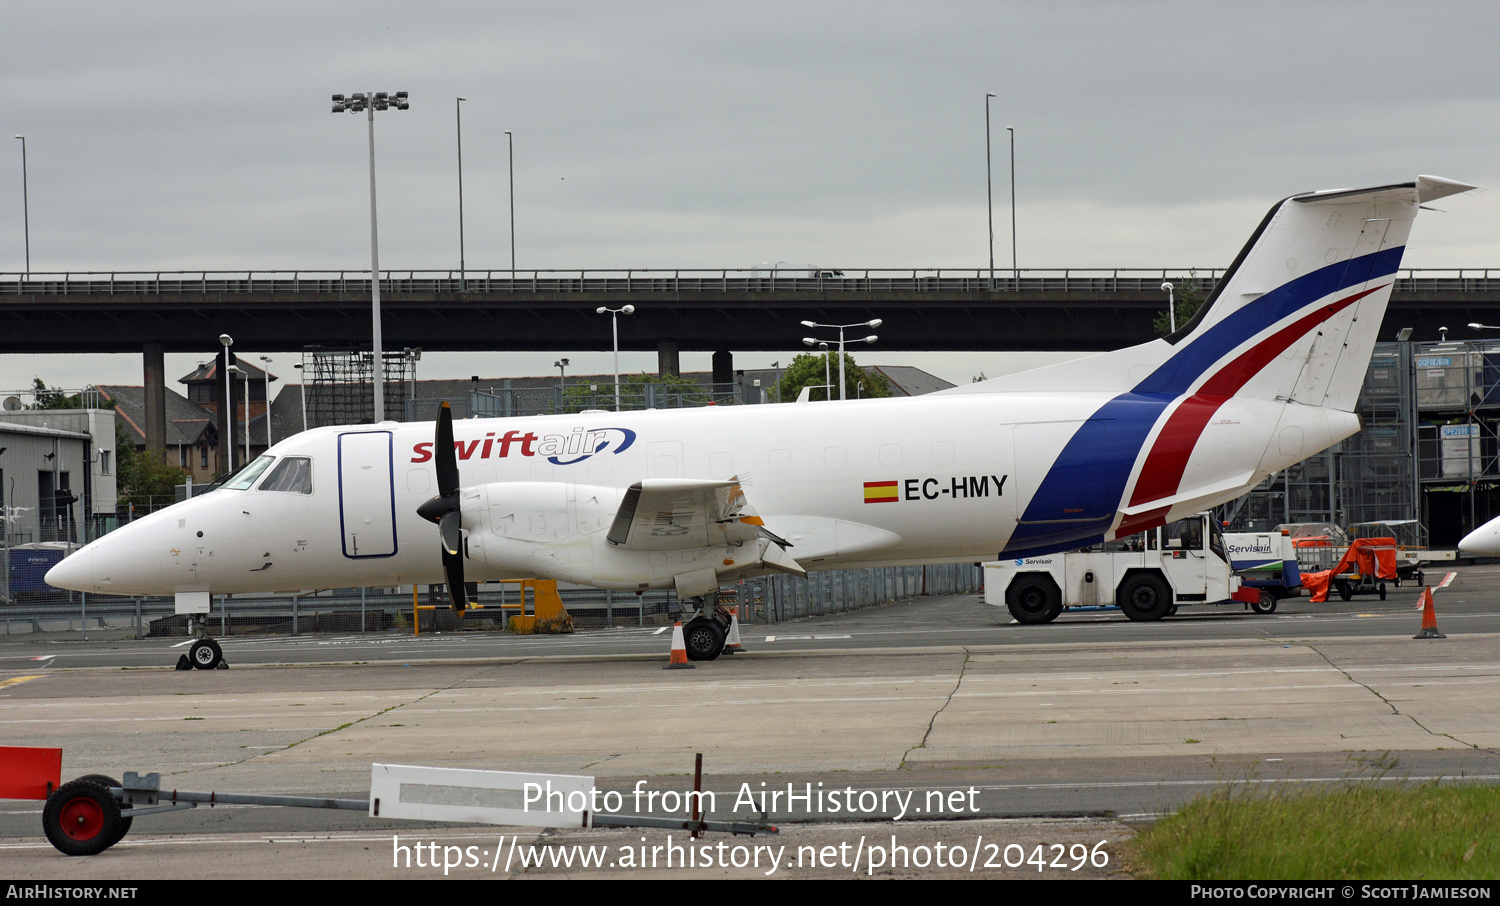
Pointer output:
x,y
443,509
453,569
449,529
443,455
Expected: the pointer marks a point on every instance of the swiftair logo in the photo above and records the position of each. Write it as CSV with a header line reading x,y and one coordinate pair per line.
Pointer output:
x,y
558,449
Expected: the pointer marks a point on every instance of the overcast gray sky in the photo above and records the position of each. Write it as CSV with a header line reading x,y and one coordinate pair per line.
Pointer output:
x,y
199,136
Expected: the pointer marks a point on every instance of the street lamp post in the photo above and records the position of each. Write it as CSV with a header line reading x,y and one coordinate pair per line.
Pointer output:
x,y
562,366
302,392
614,320
235,370
827,377
1015,271
809,341
1171,306
227,341
25,204
368,104
267,360
459,121
510,146
989,185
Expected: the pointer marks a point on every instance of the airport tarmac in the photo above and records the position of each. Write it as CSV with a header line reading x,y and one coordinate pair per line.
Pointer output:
x,y
936,730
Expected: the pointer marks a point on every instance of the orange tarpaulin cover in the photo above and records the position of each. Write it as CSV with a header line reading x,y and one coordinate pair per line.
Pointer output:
x,y
1369,556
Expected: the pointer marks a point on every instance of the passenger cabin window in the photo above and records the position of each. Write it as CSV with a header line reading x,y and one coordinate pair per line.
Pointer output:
x,y
293,475
247,475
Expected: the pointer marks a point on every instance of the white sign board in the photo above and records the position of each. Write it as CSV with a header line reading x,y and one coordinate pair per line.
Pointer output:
x,y
1460,449
479,797
190,602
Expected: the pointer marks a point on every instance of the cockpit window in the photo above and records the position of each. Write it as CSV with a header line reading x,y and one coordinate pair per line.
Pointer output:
x,y
248,474
293,475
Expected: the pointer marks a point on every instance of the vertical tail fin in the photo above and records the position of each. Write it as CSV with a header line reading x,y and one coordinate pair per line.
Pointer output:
x,y
1265,374
1295,317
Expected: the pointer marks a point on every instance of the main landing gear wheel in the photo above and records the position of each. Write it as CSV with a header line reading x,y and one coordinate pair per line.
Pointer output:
x,y
205,654
82,819
1266,604
1033,599
703,638
1145,598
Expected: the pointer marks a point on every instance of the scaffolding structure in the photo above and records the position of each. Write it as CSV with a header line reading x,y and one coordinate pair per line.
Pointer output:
x,y
1429,450
337,385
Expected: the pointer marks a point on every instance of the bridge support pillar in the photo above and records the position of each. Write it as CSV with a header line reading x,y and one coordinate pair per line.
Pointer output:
x,y
156,400
666,359
723,367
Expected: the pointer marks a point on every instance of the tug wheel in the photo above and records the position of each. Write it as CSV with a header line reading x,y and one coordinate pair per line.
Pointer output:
x,y
82,819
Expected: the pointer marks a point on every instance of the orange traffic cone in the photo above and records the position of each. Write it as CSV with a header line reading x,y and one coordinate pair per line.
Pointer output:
x,y
732,641
1429,618
679,659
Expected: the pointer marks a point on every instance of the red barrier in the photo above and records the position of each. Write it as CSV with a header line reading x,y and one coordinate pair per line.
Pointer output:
x,y
28,773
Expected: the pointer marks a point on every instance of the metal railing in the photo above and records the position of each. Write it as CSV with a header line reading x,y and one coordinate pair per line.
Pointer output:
x,y
679,280
764,600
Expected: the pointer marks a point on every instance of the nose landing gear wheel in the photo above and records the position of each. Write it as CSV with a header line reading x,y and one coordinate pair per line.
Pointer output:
x,y
703,638
205,654
82,819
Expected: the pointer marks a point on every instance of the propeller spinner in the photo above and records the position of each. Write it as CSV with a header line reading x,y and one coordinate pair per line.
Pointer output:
x,y
443,509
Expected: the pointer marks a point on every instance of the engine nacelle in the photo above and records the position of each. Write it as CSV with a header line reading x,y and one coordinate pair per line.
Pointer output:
x,y
556,530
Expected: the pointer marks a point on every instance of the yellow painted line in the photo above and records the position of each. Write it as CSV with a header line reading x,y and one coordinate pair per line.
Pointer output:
x,y
18,680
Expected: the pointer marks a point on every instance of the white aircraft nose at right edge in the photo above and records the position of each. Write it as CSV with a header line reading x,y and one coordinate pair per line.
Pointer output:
x,y
1483,541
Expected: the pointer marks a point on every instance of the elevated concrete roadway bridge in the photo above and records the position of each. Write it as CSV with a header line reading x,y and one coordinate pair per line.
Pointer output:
x,y
712,310
709,310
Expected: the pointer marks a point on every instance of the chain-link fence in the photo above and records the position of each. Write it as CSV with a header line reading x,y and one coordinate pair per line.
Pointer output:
x,y
765,600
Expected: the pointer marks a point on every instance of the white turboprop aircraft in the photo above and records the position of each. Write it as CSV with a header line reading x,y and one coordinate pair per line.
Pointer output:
x,y
1264,376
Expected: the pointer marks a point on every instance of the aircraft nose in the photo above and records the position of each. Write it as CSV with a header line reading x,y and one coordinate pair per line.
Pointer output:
x,y
1483,541
74,572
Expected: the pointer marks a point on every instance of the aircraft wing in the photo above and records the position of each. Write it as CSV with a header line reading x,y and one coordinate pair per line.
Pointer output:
x,y
664,514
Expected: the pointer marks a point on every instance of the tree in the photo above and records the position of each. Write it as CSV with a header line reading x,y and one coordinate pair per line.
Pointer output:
x,y
141,477
807,370
52,397
1188,297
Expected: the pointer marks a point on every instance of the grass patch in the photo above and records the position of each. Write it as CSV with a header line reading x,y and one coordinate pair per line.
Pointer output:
x,y
1357,832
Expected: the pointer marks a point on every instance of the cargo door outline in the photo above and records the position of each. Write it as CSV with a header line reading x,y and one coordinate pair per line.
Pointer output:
x,y
367,495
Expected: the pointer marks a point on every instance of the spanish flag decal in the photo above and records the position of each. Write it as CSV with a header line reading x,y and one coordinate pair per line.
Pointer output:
x,y
880,492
